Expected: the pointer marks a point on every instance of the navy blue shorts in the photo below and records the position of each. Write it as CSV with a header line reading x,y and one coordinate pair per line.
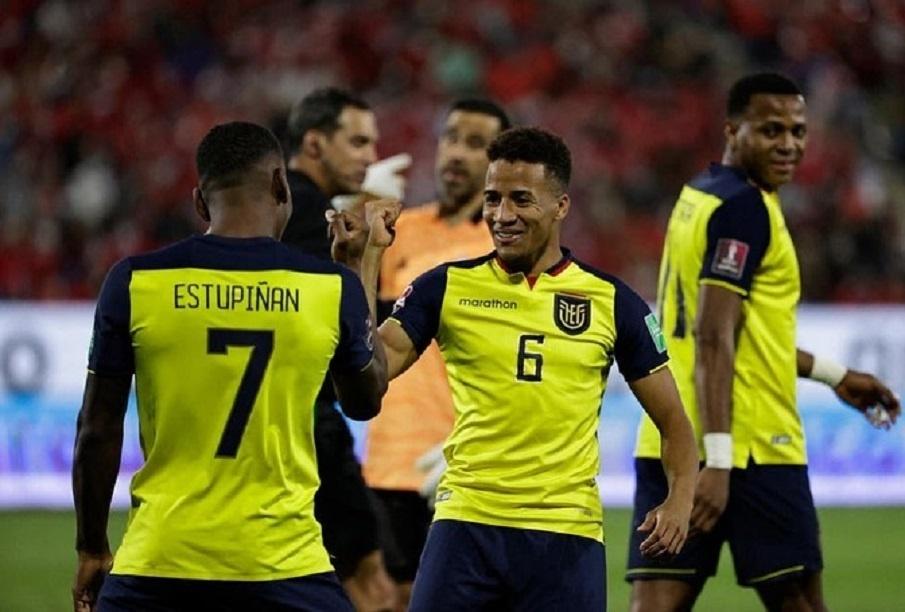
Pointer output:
x,y
770,524
474,567
314,593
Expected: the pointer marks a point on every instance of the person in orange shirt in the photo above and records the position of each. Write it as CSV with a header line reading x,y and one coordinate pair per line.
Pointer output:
x,y
404,441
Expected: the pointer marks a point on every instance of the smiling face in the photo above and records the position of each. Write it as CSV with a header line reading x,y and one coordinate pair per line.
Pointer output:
x,y
769,139
524,207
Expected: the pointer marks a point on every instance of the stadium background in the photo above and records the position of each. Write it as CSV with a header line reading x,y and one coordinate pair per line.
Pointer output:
x,y
102,104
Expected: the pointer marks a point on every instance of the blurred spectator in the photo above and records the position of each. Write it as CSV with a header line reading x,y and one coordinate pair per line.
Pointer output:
x,y
103,101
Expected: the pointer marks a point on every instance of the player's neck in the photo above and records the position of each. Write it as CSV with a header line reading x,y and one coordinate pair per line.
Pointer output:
x,y
246,220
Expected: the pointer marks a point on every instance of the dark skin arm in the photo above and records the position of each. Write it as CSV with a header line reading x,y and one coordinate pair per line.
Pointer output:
x,y
719,316
859,390
668,522
98,447
359,242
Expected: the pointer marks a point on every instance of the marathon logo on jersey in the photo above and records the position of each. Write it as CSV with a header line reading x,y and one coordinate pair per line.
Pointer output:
x,y
571,313
729,259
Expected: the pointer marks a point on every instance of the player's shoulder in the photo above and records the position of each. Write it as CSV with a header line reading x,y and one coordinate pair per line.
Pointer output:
x,y
440,272
595,275
729,184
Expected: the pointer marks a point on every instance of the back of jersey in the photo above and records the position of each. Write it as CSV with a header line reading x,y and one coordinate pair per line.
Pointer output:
x,y
231,341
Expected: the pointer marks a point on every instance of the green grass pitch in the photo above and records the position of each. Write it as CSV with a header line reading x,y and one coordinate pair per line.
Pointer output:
x,y
864,553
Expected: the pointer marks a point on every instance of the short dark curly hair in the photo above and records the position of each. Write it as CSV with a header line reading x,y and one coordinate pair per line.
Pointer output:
x,y
745,88
534,146
231,149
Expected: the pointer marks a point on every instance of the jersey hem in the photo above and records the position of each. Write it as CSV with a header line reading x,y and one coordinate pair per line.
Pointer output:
x,y
266,577
598,536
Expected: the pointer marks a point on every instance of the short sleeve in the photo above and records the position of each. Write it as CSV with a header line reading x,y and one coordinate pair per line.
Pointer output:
x,y
738,234
111,351
356,341
640,345
418,308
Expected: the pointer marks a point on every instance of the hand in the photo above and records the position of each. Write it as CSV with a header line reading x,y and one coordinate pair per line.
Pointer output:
x,y
433,465
864,392
668,524
380,217
384,178
92,569
710,498
370,588
349,234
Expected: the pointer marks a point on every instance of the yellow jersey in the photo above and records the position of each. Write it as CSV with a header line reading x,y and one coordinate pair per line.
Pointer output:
x,y
527,361
229,340
725,231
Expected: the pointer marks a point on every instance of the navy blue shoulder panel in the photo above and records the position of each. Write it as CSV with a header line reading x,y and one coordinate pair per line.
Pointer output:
x,y
724,182
471,263
639,348
222,253
110,352
418,308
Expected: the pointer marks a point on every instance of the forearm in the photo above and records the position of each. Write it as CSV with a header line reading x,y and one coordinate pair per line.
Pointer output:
x,y
94,471
714,371
679,454
804,362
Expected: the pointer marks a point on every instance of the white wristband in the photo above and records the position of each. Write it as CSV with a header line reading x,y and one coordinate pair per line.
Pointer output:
x,y
718,450
827,371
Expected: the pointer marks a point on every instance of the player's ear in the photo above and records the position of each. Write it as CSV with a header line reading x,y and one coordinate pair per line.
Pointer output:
x,y
200,205
730,131
563,203
279,187
313,144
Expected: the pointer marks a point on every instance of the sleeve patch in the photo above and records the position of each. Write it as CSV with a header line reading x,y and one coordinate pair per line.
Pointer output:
x,y
729,258
656,333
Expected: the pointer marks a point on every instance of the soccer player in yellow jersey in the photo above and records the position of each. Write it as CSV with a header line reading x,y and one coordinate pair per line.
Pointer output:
x,y
417,411
229,336
529,334
728,291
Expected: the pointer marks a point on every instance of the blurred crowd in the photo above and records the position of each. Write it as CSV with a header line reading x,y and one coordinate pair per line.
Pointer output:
x,y
102,103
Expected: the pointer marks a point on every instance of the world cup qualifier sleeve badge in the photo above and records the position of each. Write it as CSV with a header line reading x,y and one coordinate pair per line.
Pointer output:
x,y
571,313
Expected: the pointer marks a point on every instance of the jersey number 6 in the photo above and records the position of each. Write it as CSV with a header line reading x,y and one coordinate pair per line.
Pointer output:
x,y
261,343
530,365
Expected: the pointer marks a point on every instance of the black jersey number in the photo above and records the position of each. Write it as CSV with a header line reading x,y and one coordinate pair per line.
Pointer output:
x,y
261,342
530,365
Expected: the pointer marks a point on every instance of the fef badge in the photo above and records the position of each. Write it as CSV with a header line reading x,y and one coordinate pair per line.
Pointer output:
x,y
571,313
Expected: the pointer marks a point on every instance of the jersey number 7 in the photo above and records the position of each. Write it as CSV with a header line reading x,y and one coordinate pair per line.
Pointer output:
x,y
261,343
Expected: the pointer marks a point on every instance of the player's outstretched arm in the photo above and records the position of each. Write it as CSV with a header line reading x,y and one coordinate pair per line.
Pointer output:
x,y
98,446
400,350
668,522
359,239
860,390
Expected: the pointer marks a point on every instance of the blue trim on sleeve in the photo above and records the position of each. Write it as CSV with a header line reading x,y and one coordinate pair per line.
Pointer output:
x,y
418,308
738,234
356,343
637,330
111,341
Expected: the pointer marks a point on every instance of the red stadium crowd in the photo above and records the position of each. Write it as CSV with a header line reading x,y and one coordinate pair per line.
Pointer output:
x,y
102,104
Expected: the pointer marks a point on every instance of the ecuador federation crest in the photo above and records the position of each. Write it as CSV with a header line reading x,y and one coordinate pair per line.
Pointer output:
x,y
571,313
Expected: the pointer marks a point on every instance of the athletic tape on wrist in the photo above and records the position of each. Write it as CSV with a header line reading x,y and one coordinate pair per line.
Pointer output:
x,y
718,450
827,371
